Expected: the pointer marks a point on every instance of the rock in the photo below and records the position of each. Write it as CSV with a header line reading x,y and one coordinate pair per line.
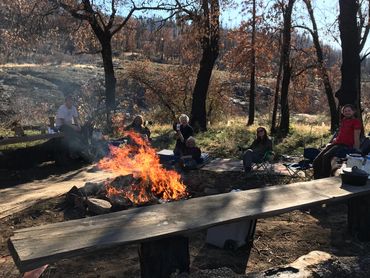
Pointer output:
x,y
93,188
211,191
318,264
223,272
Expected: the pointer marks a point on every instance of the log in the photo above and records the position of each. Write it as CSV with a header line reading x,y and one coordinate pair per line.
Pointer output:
x,y
98,206
359,217
161,258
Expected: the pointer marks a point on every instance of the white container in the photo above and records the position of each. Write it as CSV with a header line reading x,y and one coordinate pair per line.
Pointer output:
x,y
355,160
366,167
234,234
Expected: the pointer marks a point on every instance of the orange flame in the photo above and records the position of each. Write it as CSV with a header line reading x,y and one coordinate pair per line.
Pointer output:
x,y
142,161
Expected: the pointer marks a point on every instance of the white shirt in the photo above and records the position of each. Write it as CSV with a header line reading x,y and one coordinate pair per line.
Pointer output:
x,y
66,114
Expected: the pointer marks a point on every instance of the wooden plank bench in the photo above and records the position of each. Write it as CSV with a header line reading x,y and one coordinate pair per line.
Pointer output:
x,y
29,138
37,246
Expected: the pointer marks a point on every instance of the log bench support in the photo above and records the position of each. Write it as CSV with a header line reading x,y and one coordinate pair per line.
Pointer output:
x,y
160,258
159,229
359,217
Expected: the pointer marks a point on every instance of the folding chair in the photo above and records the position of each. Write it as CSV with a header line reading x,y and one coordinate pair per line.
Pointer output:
x,y
305,165
263,169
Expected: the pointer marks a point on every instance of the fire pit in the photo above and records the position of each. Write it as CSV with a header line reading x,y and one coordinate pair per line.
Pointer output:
x,y
141,180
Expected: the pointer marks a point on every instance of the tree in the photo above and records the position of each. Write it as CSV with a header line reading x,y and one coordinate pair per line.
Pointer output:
x,y
322,68
276,94
207,21
287,70
104,27
354,30
252,88
349,91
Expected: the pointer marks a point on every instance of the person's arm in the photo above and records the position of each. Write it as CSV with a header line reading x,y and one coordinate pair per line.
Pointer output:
x,y
76,118
269,145
196,154
77,122
253,145
147,132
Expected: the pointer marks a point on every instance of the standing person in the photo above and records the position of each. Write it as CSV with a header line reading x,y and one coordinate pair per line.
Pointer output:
x,y
257,151
67,116
137,125
183,132
348,139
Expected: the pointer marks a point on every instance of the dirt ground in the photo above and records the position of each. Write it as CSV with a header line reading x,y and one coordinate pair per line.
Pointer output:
x,y
278,240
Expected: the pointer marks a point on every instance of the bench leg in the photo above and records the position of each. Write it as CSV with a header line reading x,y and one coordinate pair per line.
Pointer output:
x,y
160,258
359,217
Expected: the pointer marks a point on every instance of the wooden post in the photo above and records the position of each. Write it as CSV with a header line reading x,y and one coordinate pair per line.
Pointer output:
x,y
359,217
160,258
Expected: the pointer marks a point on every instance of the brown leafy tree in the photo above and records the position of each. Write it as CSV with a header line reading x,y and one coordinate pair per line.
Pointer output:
x,y
105,23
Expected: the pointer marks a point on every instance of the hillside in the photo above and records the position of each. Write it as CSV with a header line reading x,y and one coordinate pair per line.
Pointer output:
x,y
31,92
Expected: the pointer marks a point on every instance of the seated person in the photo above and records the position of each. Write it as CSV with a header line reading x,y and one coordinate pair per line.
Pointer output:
x,y
137,126
75,139
67,116
257,150
348,140
191,154
183,132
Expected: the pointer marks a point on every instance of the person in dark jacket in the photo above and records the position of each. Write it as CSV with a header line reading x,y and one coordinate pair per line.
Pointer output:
x,y
183,132
192,155
257,151
137,126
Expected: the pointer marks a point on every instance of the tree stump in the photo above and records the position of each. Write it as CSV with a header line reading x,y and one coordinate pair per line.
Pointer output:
x,y
160,258
359,217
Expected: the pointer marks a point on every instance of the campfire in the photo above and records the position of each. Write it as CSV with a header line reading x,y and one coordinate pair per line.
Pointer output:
x,y
145,176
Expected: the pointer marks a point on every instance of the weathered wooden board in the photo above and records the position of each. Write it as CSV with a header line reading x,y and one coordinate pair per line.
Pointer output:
x,y
29,138
76,237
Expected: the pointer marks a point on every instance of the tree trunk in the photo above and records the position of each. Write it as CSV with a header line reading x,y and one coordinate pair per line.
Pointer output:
x,y
287,70
198,108
276,97
210,48
349,92
334,124
110,79
252,88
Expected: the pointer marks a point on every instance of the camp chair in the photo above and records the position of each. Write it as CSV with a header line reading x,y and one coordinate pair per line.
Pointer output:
x,y
263,169
294,169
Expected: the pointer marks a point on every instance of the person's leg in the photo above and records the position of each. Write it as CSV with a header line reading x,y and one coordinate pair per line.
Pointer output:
x,y
318,163
326,160
247,160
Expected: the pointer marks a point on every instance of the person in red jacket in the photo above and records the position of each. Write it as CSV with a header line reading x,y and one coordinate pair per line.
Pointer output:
x,y
347,140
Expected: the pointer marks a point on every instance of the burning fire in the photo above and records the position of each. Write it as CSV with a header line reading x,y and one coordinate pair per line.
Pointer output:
x,y
142,161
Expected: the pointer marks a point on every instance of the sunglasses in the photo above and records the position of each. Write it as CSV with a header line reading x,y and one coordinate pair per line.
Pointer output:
x,y
260,130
